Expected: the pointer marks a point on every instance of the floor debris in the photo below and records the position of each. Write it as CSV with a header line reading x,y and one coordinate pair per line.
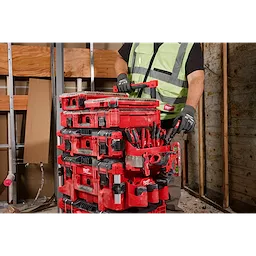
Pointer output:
x,y
191,204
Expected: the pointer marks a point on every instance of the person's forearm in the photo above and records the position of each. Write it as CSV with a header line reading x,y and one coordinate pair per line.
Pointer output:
x,y
195,87
120,66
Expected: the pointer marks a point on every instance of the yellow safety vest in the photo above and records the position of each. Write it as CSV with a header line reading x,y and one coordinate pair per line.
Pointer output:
x,y
168,68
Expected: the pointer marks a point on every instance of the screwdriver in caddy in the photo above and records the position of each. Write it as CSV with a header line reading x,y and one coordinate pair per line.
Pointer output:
x,y
145,140
149,138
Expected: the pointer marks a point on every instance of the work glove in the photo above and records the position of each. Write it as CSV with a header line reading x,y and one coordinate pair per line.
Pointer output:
x,y
123,83
187,120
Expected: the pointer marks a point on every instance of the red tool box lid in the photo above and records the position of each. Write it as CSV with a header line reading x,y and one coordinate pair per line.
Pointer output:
x,y
119,102
93,95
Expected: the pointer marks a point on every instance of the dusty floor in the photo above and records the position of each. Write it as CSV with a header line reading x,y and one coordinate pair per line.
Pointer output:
x,y
191,204
188,203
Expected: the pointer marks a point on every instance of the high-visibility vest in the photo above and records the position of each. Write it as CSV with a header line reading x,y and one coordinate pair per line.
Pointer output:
x,y
168,68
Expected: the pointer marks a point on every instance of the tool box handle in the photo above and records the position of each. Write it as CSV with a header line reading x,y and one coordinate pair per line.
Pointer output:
x,y
151,84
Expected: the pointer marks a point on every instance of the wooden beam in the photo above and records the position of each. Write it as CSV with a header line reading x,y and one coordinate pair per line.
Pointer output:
x,y
34,61
20,102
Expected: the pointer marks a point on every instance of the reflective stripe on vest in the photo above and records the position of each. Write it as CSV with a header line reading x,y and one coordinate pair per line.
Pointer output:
x,y
166,99
161,76
134,58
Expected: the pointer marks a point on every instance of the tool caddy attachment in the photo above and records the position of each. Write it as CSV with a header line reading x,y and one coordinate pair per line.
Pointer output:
x,y
115,157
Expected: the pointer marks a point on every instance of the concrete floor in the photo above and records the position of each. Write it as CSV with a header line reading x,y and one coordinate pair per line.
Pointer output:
x,y
188,203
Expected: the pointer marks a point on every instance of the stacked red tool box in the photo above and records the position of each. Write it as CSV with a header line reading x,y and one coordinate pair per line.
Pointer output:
x,y
115,156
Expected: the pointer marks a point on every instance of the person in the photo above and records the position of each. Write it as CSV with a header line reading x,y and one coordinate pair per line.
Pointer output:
x,y
179,69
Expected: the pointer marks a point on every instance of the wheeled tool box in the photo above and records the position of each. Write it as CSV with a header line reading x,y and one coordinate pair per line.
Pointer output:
x,y
115,156
105,182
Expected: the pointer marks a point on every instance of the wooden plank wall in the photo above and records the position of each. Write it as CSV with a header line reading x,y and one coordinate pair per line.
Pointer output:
x,y
34,61
242,126
30,177
242,123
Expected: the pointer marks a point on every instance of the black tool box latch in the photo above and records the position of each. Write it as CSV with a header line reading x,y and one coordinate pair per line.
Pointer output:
x,y
117,145
60,171
69,172
80,102
104,181
119,188
69,122
67,145
103,148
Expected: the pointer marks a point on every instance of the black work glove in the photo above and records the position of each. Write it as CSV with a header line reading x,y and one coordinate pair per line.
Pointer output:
x,y
187,119
123,83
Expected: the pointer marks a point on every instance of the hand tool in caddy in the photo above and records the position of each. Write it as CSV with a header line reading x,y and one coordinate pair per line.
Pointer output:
x,y
171,133
156,130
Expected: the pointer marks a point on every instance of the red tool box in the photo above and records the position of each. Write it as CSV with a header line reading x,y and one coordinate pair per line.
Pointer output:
x,y
116,157
75,101
112,118
92,142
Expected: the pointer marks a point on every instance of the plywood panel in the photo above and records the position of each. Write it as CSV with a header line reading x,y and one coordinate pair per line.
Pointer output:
x,y
37,134
21,88
34,61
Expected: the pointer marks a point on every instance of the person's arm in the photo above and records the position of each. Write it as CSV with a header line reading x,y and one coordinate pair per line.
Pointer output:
x,y
195,75
195,87
195,78
121,66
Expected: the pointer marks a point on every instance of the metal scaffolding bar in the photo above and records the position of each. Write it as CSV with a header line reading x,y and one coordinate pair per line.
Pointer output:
x,y
92,67
59,90
12,192
54,116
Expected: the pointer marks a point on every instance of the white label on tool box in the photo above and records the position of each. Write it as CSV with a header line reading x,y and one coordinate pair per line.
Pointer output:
x,y
146,182
86,170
